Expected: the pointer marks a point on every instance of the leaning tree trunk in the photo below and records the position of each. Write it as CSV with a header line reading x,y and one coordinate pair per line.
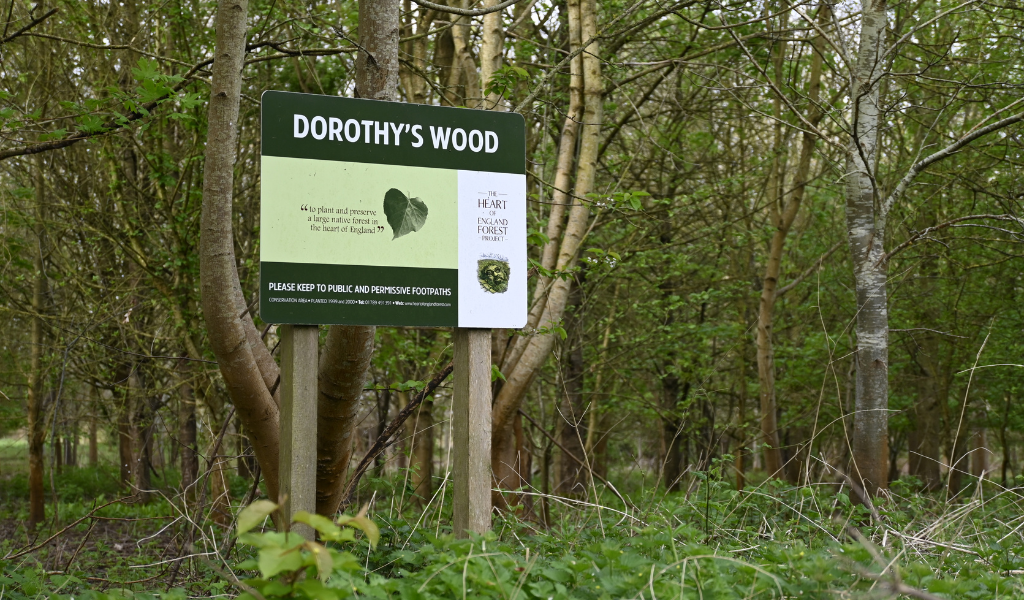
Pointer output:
x,y
343,364
549,304
245,363
866,230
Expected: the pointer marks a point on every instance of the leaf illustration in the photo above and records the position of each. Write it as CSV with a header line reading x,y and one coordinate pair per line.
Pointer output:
x,y
405,215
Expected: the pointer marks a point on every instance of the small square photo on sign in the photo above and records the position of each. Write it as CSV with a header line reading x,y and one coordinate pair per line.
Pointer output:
x,y
386,213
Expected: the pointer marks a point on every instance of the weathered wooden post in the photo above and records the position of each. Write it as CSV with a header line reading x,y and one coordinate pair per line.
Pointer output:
x,y
299,345
471,432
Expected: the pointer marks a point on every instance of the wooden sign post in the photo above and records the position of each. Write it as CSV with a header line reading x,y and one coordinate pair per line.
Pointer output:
x,y
391,214
299,349
471,432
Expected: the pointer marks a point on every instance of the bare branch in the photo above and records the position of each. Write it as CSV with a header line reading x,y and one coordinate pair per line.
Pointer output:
x,y
29,26
382,441
949,150
924,232
463,11
809,270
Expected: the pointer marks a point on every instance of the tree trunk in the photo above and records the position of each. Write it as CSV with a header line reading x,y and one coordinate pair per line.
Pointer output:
x,y
572,480
979,454
866,229
674,395
220,498
783,214
377,77
187,439
141,431
347,350
421,430
94,451
343,364
926,431
491,49
57,448
248,369
530,355
383,412
124,439
34,405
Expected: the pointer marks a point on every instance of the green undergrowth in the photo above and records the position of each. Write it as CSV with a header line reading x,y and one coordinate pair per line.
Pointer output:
x,y
774,541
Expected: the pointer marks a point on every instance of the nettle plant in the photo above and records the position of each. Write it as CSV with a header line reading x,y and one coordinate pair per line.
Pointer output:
x,y
291,566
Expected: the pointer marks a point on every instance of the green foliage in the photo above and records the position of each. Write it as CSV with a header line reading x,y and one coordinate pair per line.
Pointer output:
x,y
776,541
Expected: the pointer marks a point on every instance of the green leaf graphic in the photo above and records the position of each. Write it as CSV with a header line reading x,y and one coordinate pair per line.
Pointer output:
x,y
405,215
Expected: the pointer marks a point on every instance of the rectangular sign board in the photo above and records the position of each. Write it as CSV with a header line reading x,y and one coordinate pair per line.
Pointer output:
x,y
386,213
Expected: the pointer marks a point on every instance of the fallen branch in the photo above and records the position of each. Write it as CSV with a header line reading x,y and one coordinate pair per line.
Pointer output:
x,y
61,532
382,440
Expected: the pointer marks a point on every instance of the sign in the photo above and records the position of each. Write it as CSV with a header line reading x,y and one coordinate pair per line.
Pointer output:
x,y
385,213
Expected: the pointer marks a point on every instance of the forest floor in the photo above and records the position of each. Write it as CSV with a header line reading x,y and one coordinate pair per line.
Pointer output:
x,y
770,541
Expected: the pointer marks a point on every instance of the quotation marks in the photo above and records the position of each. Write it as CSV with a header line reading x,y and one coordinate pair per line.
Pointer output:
x,y
304,207
380,228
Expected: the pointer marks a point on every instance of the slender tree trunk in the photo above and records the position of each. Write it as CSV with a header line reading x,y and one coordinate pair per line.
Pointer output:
x,y
383,412
1005,466
491,50
220,498
141,428
187,430
572,480
124,439
866,229
245,363
926,433
343,364
521,367
784,212
58,452
34,402
979,453
94,451
593,418
421,430
672,432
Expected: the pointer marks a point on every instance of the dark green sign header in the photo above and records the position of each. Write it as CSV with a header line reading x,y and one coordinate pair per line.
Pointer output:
x,y
393,133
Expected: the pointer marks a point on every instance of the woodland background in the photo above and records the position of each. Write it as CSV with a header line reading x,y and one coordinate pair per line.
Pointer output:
x,y
770,240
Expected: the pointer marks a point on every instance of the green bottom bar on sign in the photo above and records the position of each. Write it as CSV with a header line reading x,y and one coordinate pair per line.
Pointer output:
x,y
315,294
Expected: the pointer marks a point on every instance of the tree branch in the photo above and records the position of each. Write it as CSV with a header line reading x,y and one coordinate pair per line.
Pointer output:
x,y
463,11
111,126
382,440
29,26
809,270
920,234
941,154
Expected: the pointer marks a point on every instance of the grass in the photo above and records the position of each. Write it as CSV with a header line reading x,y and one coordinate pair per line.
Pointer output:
x,y
769,541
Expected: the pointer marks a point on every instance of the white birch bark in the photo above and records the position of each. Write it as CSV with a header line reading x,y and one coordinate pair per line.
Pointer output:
x,y
866,230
